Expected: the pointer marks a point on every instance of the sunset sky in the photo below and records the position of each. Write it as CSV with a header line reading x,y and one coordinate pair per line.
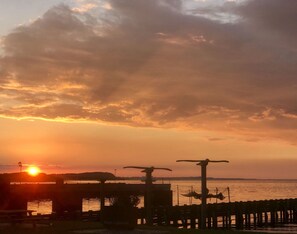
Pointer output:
x,y
95,85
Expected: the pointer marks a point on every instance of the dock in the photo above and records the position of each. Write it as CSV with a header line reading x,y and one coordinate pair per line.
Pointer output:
x,y
238,215
67,198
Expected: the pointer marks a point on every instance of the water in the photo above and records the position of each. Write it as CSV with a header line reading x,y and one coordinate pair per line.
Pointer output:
x,y
240,190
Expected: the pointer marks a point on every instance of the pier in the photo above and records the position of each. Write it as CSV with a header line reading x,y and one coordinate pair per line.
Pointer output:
x,y
238,215
67,199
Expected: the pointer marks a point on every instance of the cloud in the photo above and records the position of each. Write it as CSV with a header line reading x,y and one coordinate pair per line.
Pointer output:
x,y
85,7
276,16
150,63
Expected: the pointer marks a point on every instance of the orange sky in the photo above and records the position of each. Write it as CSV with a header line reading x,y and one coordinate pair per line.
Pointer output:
x,y
78,147
98,85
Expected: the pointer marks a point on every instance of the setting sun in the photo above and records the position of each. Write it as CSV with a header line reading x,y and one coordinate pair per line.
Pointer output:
x,y
33,171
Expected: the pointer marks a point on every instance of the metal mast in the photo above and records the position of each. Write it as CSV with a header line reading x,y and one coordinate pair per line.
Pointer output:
x,y
204,190
148,181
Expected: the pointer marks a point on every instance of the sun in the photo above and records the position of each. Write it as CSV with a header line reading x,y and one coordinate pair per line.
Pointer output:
x,y
33,170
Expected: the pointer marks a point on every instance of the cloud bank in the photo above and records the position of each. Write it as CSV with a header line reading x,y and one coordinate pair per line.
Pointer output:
x,y
151,63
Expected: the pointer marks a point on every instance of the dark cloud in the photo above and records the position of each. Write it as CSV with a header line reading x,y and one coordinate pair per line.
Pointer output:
x,y
148,63
276,15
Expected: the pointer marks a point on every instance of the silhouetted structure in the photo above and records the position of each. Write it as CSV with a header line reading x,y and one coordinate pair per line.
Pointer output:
x,y
239,215
148,182
204,190
67,198
4,194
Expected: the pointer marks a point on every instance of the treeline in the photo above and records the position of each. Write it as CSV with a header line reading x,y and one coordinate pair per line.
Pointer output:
x,y
42,177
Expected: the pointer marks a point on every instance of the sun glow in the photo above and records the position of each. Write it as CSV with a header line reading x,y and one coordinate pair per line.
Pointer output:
x,y
33,170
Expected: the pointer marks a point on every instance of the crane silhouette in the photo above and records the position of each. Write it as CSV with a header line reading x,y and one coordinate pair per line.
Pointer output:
x,y
148,172
204,190
148,182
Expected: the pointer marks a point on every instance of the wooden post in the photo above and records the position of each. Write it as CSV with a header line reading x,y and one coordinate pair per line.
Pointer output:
x,y
102,199
291,216
229,219
209,226
272,218
238,218
175,216
177,194
214,217
148,205
203,193
266,219
193,217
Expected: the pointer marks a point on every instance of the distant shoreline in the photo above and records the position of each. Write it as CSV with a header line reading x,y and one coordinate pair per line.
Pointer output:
x,y
189,178
107,176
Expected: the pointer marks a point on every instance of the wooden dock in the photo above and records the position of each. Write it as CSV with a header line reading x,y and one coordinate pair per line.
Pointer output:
x,y
239,215
68,198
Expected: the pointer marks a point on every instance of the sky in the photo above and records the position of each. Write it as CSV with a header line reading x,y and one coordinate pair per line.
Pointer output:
x,y
96,85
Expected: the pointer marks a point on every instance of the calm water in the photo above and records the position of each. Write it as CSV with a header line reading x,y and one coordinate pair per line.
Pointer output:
x,y
240,190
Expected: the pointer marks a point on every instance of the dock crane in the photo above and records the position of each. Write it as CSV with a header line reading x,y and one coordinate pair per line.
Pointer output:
x,y
204,190
148,172
148,182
